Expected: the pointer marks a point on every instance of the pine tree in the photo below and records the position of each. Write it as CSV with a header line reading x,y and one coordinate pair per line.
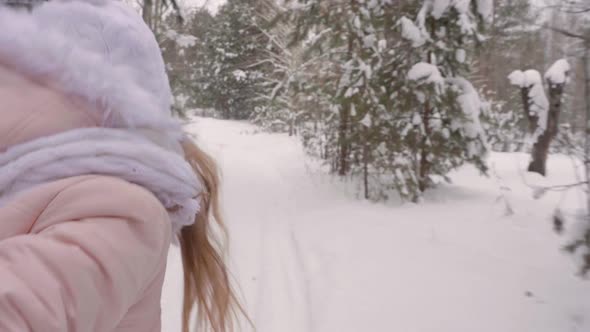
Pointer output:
x,y
345,40
277,110
445,108
184,47
378,122
235,49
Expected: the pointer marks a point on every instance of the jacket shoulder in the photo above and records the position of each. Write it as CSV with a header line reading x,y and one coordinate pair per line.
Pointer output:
x,y
99,196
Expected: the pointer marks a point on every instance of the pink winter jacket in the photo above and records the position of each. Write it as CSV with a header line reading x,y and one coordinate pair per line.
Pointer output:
x,y
86,253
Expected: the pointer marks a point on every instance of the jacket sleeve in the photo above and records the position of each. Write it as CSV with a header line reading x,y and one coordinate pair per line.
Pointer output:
x,y
102,246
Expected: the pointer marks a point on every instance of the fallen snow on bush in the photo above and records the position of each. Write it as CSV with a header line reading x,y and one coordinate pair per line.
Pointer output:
x,y
411,32
425,72
539,105
558,72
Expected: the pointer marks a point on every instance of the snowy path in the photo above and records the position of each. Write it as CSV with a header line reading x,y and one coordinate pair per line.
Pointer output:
x,y
310,258
257,208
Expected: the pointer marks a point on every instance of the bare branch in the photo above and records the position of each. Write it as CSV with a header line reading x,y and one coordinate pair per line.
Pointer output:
x,y
566,32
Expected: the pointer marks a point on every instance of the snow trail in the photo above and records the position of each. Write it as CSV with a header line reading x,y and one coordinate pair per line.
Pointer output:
x,y
270,267
311,258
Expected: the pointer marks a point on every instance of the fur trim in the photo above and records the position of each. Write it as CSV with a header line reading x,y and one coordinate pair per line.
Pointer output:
x,y
98,50
112,152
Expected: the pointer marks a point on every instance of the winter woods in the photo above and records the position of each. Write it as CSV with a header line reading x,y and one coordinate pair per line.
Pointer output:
x,y
378,89
393,95
396,93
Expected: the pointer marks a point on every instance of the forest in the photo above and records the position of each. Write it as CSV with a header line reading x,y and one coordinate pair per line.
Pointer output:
x,y
394,94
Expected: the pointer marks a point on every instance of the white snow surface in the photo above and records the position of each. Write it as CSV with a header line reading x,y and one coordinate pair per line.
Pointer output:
x,y
460,55
239,75
524,79
485,8
310,257
471,105
423,71
411,32
366,121
462,6
439,7
517,78
182,40
538,99
558,72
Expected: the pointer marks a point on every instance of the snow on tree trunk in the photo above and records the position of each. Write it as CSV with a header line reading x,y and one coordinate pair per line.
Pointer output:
x,y
534,99
556,78
542,115
540,150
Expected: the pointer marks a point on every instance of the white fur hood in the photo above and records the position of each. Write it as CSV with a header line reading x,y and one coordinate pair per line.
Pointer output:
x,y
99,50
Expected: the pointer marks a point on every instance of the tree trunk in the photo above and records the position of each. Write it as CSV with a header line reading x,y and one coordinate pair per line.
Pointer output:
x,y
292,125
424,166
343,129
540,151
586,62
538,161
157,17
366,162
531,117
343,143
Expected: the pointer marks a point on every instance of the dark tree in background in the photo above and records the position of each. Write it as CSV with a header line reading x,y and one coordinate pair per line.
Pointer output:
x,y
235,71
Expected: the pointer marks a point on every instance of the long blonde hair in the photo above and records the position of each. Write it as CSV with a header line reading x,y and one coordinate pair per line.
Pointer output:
x,y
206,277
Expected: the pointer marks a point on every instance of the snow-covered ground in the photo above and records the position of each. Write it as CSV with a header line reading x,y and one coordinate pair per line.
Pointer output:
x,y
310,257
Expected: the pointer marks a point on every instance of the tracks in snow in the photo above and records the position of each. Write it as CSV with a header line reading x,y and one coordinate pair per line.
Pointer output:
x,y
260,196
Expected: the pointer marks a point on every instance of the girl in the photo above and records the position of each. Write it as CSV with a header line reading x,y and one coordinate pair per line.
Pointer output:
x,y
96,177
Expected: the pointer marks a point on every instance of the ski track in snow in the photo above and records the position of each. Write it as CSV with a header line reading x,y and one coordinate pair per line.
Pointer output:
x,y
309,257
